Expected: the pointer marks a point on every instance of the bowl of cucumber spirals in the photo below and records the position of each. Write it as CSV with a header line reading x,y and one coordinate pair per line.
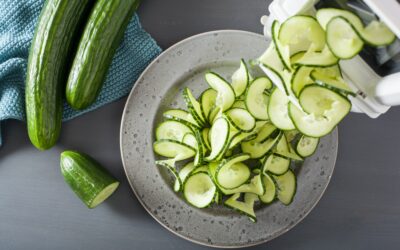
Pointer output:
x,y
209,147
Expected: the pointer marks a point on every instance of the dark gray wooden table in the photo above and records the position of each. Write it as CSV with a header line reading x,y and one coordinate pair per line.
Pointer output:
x,y
360,209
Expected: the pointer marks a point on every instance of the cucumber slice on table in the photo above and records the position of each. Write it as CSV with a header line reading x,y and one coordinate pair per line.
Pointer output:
x,y
89,181
325,109
306,146
172,130
194,107
241,119
226,95
270,190
240,79
219,139
342,38
278,110
181,116
174,149
199,190
299,32
286,185
256,100
246,207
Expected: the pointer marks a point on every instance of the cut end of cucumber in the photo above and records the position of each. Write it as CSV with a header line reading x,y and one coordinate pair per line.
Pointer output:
x,y
104,194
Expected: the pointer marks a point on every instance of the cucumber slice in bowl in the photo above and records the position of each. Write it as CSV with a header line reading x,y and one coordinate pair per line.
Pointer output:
x,y
87,178
278,110
259,149
241,119
256,101
239,104
183,173
325,109
270,190
246,207
276,165
199,190
232,173
173,149
287,185
240,79
226,95
219,139
342,38
172,130
181,116
170,165
193,106
306,146
207,102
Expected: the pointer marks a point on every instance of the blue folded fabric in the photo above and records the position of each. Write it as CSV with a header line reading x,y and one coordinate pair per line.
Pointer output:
x,y
18,19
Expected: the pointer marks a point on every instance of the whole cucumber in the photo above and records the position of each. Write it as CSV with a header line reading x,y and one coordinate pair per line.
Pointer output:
x,y
101,37
51,48
87,178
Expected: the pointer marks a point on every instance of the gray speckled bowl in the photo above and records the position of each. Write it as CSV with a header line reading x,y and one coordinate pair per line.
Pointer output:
x,y
159,88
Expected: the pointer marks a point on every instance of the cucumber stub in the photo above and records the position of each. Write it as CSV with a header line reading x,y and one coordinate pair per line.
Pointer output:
x,y
87,178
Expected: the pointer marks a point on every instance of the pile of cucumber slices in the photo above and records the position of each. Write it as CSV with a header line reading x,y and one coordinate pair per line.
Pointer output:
x,y
240,138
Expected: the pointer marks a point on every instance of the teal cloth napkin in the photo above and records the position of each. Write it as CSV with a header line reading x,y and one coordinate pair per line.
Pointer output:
x,y
18,19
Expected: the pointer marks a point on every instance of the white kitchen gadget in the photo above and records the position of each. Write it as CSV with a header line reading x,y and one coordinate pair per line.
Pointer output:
x,y
374,74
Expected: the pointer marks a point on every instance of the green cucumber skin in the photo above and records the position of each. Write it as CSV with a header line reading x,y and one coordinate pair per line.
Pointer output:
x,y
48,63
86,177
101,37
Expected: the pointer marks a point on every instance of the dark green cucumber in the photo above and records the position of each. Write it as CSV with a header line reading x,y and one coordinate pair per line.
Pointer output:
x,y
101,37
48,63
90,181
